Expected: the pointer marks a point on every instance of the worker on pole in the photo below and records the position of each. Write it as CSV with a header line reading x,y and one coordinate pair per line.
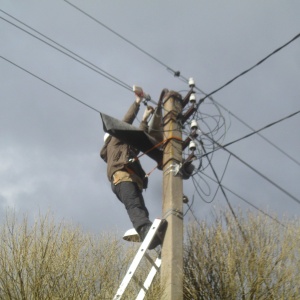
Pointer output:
x,y
127,177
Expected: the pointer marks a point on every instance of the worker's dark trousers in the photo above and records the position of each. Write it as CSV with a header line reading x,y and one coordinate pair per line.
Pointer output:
x,y
131,196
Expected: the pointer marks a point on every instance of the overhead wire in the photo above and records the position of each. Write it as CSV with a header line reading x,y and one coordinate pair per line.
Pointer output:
x,y
257,131
257,172
50,84
71,54
249,69
246,201
259,134
100,70
114,78
198,184
117,79
225,196
220,185
119,35
59,90
80,101
177,74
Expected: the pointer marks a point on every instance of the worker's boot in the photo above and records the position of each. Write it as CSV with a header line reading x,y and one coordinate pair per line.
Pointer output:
x,y
143,231
160,233
159,236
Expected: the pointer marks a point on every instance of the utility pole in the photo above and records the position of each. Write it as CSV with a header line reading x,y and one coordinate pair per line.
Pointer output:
x,y
172,250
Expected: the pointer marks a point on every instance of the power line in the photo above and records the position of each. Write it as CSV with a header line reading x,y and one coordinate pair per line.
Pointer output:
x,y
248,70
101,74
177,74
50,84
121,37
257,131
251,128
114,79
255,170
246,201
92,67
80,101
225,195
123,84
197,184
220,185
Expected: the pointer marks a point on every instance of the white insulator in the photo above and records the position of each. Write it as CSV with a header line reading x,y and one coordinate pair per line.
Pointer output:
x,y
106,136
191,82
194,125
193,98
192,146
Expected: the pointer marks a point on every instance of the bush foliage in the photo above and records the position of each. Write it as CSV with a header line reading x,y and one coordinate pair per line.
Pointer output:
x,y
251,257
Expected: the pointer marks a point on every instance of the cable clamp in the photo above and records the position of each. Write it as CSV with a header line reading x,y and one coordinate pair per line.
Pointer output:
x,y
175,212
173,168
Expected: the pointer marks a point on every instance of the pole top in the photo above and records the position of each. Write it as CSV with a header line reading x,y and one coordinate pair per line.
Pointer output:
x,y
174,95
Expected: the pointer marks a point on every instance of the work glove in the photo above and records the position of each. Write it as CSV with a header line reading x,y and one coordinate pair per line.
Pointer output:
x,y
139,94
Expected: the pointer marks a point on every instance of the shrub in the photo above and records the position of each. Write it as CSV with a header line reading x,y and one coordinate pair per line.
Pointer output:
x,y
50,261
257,259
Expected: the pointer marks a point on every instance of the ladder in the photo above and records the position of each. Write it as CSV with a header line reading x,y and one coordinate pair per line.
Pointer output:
x,y
141,253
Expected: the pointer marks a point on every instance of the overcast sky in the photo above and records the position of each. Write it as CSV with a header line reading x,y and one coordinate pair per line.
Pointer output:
x,y
50,143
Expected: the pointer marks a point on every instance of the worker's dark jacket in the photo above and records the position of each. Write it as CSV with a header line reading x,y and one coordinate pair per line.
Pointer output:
x,y
117,154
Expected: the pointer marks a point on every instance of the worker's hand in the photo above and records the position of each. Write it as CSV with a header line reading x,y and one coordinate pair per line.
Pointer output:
x,y
148,112
139,94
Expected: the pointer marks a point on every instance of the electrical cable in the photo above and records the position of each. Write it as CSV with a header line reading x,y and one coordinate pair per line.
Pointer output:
x,y
255,132
226,198
246,201
97,70
59,89
263,137
50,84
248,70
257,172
114,79
120,36
177,73
152,57
198,186
102,72
99,112
209,95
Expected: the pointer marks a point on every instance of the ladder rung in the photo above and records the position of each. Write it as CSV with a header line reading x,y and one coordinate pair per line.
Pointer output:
x,y
138,282
149,279
149,258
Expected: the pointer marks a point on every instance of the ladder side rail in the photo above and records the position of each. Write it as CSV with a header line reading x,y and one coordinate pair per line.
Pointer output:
x,y
149,279
137,259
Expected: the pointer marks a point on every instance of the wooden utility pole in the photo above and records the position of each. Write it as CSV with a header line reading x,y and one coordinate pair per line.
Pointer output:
x,y
172,250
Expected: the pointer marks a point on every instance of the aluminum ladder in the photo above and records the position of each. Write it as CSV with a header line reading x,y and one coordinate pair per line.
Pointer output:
x,y
141,253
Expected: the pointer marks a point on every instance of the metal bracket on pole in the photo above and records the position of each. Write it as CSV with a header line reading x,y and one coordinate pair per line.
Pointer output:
x,y
175,212
172,168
